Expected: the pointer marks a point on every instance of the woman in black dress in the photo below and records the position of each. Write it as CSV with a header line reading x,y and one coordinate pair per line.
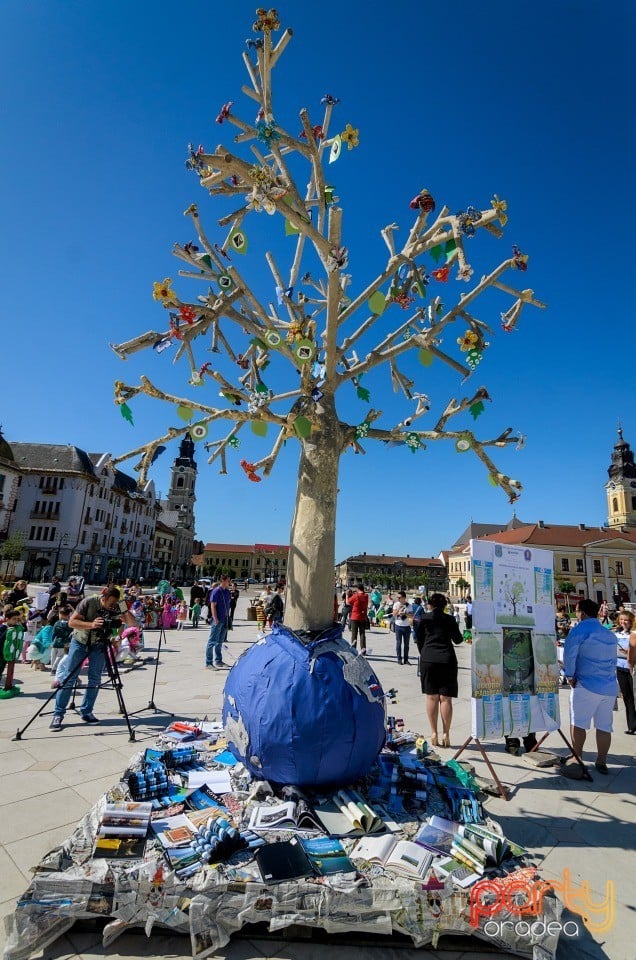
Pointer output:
x,y
436,633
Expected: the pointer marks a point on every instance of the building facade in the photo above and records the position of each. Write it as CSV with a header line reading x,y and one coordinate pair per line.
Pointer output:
x,y
259,561
392,571
81,515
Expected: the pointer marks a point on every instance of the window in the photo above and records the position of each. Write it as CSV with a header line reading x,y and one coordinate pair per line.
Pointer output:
x,y
597,566
565,566
614,505
579,565
633,503
179,481
32,534
619,568
83,537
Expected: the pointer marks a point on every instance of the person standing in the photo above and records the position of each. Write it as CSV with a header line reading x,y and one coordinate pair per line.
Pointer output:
x,y
468,616
89,619
589,663
197,594
359,618
436,633
235,593
402,630
220,614
624,636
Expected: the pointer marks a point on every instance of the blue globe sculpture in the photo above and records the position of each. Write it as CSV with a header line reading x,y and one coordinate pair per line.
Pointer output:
x,y
309,714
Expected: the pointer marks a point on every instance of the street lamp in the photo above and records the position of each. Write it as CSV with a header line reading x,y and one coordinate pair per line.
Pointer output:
x,y
63,542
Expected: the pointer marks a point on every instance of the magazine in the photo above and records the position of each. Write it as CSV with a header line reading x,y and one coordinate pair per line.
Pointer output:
x,y
174,831
403,857
122,821
461,875
347,814
289,815
327,856
437,834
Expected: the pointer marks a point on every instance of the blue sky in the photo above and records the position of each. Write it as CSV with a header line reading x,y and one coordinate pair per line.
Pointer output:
x,y
465,99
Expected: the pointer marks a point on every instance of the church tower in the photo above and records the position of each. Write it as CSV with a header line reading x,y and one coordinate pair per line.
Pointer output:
x,y
181,496
621,487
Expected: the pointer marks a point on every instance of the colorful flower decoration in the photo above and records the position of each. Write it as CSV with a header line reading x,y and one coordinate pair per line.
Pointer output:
x,y
350,136
317,131
441,274
465,272
500,207
187,313
250,471
468,341
242,361
338,257
329,100
194,161
294,332
267,20
404,300
520,259
174,328
162,290
225,111
467,221
423,201
266,131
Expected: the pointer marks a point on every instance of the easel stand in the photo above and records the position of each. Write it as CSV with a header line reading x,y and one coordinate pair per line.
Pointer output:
x,y
151,703
585,775
113,682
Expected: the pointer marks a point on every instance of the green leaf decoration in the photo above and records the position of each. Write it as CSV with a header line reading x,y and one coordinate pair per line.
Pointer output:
x,y
304,350
126,413
425,357
437,253
302,426
492,480
377,303
206,259
257,342
476,409
421,289
290,229
262,388
259,427
185,413
363,394
225,281
238,241
450,249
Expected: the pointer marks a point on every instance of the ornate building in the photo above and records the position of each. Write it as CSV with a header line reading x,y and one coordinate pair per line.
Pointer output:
x,y
621,486
177,514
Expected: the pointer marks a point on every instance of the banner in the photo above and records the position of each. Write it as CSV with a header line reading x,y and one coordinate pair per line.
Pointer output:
x,y
515,670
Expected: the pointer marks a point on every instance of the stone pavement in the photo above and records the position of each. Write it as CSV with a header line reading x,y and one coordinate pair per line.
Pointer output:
x,y
50,780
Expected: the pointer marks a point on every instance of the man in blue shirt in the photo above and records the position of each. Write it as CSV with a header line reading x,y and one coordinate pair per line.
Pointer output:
x,y
220,614
589,663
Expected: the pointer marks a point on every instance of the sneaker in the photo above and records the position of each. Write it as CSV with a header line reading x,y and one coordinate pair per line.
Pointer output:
x,y
220,665
56,723
89,718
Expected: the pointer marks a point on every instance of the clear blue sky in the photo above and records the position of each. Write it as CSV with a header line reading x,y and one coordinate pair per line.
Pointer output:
x,y
533,103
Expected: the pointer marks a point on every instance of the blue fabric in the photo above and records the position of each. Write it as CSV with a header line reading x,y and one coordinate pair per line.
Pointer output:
x,y
301,721
590,656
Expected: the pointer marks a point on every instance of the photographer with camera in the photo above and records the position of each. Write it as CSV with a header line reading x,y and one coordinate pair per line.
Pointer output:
x,y
93,621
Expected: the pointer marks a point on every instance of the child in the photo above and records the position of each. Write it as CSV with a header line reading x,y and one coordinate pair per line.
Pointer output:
x,y
130,640
11,644
182,614
39,653
60,672
196,613
61,636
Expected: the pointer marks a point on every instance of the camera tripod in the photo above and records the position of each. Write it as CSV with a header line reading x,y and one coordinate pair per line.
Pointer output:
x,y
114,682
151,703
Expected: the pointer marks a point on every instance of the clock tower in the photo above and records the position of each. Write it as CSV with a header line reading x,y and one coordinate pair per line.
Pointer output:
x,y
621,487
177,511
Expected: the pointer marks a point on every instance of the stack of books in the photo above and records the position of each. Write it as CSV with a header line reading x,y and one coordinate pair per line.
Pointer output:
x,y
123,830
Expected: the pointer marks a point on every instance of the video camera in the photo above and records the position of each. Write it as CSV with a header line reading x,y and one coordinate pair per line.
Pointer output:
x,y
112,621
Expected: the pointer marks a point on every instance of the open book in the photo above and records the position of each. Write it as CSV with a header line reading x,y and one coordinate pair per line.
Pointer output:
x,y
289,815
484,845
347,814
461,875
403,857
437,834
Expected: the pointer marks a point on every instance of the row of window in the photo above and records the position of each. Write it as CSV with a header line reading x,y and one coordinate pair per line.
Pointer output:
x,y
579,566
232,561
49,508
51,484
615,504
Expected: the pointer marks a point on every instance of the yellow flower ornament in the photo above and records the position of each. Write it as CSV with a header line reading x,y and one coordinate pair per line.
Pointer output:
x,y
350,136
162,290
469,341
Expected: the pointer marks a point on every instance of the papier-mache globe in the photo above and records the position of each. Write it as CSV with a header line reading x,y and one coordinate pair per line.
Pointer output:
x,y
308,714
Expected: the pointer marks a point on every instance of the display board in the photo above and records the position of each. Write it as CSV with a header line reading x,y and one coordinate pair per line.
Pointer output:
x,y
515,670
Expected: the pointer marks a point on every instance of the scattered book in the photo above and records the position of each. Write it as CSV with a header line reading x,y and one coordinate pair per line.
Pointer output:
x,y
282,861
494,846
291,815
174,831
346,815
461,875
119,848
327,856
123,829
437,834
403,857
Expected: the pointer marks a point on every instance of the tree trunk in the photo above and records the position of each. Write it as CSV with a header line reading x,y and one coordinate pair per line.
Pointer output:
x,y
310,569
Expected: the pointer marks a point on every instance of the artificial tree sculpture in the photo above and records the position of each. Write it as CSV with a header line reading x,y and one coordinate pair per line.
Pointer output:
x,y
326,333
